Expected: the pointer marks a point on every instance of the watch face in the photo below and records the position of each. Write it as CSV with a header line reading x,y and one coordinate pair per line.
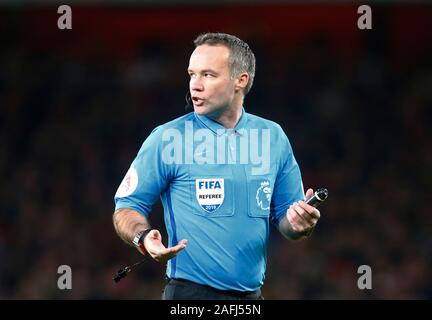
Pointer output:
x,y
140,236
137,238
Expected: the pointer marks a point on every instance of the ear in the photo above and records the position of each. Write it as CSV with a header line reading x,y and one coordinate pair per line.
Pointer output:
x,y
241,81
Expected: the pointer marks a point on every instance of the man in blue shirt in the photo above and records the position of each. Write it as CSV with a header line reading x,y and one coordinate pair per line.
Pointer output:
x,y
223,175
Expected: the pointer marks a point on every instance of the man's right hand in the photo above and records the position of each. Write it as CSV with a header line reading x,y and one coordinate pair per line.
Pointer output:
x,y
156,249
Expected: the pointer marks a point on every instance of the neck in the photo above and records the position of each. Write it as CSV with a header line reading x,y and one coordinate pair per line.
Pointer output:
x,y
231,116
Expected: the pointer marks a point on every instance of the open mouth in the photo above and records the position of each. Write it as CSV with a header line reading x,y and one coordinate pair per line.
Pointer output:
x,y
198,102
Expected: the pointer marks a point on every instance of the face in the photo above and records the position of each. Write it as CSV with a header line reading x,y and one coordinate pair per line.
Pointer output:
x,y
210,85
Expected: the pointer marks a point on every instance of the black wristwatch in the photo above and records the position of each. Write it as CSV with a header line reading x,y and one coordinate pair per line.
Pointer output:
x,y
138,240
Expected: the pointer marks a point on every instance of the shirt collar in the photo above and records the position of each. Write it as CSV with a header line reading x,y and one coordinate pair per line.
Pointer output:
x,y
215,126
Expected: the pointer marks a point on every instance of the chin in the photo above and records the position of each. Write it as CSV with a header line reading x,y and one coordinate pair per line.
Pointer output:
x,y
201,110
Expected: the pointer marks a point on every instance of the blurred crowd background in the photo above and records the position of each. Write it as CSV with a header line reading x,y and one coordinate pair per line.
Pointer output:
x,y
75,107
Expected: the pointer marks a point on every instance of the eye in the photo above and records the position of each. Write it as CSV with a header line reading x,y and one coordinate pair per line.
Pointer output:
x,y
208,75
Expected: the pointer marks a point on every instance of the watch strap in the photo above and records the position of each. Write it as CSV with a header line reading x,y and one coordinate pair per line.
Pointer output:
x,y
138,240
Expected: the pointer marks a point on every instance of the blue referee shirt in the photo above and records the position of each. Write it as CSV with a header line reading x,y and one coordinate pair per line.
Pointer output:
x,y
220,189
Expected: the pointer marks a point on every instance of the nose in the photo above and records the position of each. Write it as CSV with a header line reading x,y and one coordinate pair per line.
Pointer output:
x,y
196,84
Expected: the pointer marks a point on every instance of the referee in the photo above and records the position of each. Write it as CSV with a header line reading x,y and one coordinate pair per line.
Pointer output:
x,y
223,176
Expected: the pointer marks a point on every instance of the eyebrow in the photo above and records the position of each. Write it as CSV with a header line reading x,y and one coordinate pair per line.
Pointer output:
x,y
204,71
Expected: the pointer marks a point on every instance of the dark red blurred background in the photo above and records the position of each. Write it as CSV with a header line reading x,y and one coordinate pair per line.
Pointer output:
x,y
77,104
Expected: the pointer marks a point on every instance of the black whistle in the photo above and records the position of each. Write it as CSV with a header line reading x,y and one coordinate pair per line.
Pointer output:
x,y
121,274
319,197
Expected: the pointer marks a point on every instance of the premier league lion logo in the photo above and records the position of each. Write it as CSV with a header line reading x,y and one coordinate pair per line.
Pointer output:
x,y
263,195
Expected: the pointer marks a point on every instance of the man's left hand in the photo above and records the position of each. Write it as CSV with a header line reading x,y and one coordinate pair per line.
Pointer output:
x,y
301,216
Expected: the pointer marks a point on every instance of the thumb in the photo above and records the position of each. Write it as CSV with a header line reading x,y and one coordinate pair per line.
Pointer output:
x,y
309,193
155,235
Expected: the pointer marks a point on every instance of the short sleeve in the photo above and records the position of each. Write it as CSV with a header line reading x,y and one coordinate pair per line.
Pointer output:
x,y
146,179
288,186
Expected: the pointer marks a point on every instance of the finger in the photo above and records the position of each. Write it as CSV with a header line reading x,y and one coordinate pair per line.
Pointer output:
x,y
297,226
169,253
293,223
155,235
180,246
308,219
309,194
312,211
153,243
173,250
296,220
156,249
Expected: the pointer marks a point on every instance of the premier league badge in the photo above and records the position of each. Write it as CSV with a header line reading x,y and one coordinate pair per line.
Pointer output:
x,y
263,195
210,193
